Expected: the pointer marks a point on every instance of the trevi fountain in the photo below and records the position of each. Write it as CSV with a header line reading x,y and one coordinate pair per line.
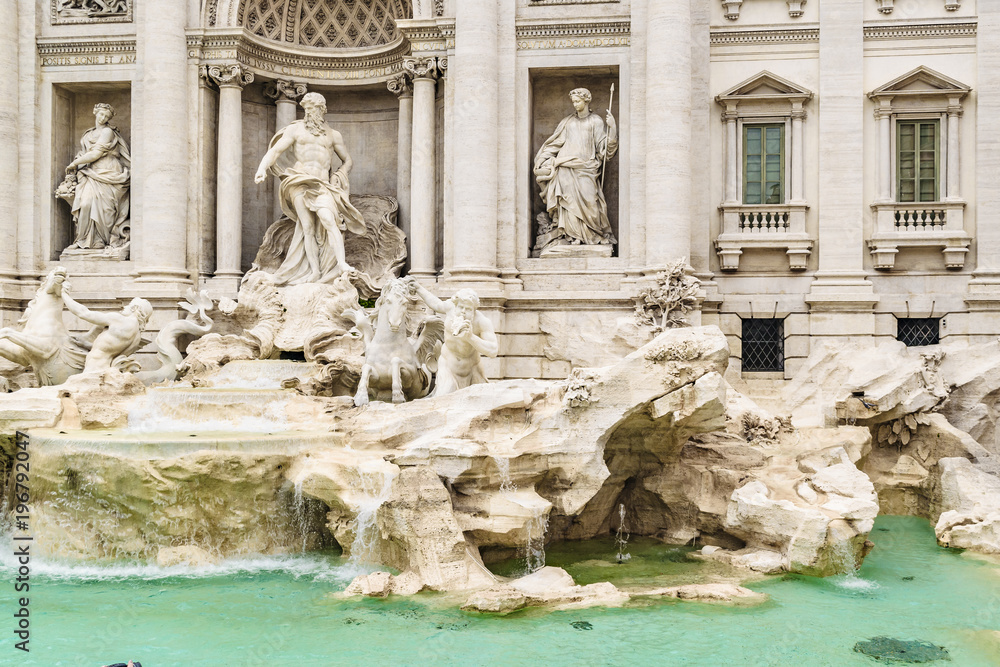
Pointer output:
x,y
499,332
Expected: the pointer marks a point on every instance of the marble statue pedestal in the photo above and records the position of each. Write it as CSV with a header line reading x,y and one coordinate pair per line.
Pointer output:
x,y
577,251
117,253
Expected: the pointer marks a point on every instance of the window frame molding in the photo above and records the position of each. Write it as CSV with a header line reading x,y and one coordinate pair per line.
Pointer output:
x,y
920,94
764,99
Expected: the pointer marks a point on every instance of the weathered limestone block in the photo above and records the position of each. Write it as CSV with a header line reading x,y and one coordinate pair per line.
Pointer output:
x,y
892,379
719,593
906,476
823,539
99,502
188,555
499,599
969,504
585,339
41,407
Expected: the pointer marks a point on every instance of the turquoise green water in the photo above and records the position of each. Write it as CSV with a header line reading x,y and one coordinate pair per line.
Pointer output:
x,y
278,611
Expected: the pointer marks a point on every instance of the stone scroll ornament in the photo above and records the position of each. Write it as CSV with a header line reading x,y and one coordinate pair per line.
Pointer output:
x,y
96,188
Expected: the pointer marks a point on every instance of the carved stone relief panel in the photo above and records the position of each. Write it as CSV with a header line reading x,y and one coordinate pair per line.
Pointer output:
x,y
91,11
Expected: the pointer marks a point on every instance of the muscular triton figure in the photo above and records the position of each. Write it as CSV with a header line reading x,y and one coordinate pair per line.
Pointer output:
x,y
318,201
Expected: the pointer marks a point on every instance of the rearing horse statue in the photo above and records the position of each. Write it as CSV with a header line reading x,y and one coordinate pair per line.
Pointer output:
x,y
397,366
43,344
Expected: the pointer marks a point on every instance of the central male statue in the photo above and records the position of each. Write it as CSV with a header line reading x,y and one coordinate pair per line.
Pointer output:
x,y
318,201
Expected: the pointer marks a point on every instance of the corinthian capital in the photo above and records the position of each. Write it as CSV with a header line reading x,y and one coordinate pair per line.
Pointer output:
x,y
429,67
401,85
228,76
283,90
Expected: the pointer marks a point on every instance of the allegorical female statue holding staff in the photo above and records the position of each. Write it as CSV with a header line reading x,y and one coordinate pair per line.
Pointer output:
x,y
102,172
568,168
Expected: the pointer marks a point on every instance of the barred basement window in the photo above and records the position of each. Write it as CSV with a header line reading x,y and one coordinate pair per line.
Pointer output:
x,y
763,345
918,331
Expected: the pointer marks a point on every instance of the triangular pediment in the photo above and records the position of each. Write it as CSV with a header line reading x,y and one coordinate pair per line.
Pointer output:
x,y
922,81
765,86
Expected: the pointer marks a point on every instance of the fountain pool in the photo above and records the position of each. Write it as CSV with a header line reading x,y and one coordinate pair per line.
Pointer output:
x,y
279,611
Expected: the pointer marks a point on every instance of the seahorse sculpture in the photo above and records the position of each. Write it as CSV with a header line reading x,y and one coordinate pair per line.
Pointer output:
x,y
198,305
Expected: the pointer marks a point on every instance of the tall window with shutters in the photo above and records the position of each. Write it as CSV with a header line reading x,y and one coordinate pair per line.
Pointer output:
x,y
764,164
918,160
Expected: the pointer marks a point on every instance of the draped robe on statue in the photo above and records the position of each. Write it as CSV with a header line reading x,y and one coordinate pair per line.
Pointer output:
x,y
101,203
567,168
316,193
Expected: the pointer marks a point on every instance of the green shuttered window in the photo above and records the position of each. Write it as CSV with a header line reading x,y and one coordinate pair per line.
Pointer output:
x,y
918,159
763,164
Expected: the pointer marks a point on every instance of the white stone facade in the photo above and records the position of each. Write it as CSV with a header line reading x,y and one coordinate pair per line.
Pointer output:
x,y
443,105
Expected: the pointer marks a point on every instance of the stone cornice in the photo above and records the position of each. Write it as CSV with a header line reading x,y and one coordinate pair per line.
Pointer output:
x,y
810,33
428,35
561,34
61,51
764,35
921,30
312,65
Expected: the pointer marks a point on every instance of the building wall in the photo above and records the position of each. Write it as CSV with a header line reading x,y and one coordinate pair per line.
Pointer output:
x,y
552,314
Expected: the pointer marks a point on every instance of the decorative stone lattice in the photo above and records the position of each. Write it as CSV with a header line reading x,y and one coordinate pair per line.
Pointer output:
x,y
332,24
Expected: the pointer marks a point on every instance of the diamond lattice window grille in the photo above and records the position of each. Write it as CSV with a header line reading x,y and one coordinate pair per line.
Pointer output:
x,y
918,331
763,344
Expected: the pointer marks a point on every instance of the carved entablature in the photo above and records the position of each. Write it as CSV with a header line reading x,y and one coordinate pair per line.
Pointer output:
x,y
563,35
312,66
91,11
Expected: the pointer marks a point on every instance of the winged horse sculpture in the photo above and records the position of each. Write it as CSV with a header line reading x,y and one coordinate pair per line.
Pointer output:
x,y
397,366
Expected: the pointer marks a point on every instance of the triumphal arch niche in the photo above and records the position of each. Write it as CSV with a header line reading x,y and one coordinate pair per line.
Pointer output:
x,y
260,57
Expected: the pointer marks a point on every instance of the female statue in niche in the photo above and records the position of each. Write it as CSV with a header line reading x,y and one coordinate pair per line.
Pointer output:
x,y
98,182
568,168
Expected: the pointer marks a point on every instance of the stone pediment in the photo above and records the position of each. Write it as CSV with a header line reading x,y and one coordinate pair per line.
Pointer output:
x,y
765,86
921,82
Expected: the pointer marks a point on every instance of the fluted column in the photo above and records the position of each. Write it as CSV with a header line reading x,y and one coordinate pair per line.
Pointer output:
x,y
423,180
954,142
9,139
884,118
285,95
668,134
731,195
473,76
229,174
163,163
798,154
402,87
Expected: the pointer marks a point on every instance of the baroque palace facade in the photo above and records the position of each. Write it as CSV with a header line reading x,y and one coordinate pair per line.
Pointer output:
x,y
827,168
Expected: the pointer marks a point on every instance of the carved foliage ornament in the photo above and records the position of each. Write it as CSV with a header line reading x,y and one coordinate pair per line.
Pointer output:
x,y
91,11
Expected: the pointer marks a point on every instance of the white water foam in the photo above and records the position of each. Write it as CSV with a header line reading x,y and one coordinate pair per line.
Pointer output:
x,y
375,487
317,568
534,548
507,485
